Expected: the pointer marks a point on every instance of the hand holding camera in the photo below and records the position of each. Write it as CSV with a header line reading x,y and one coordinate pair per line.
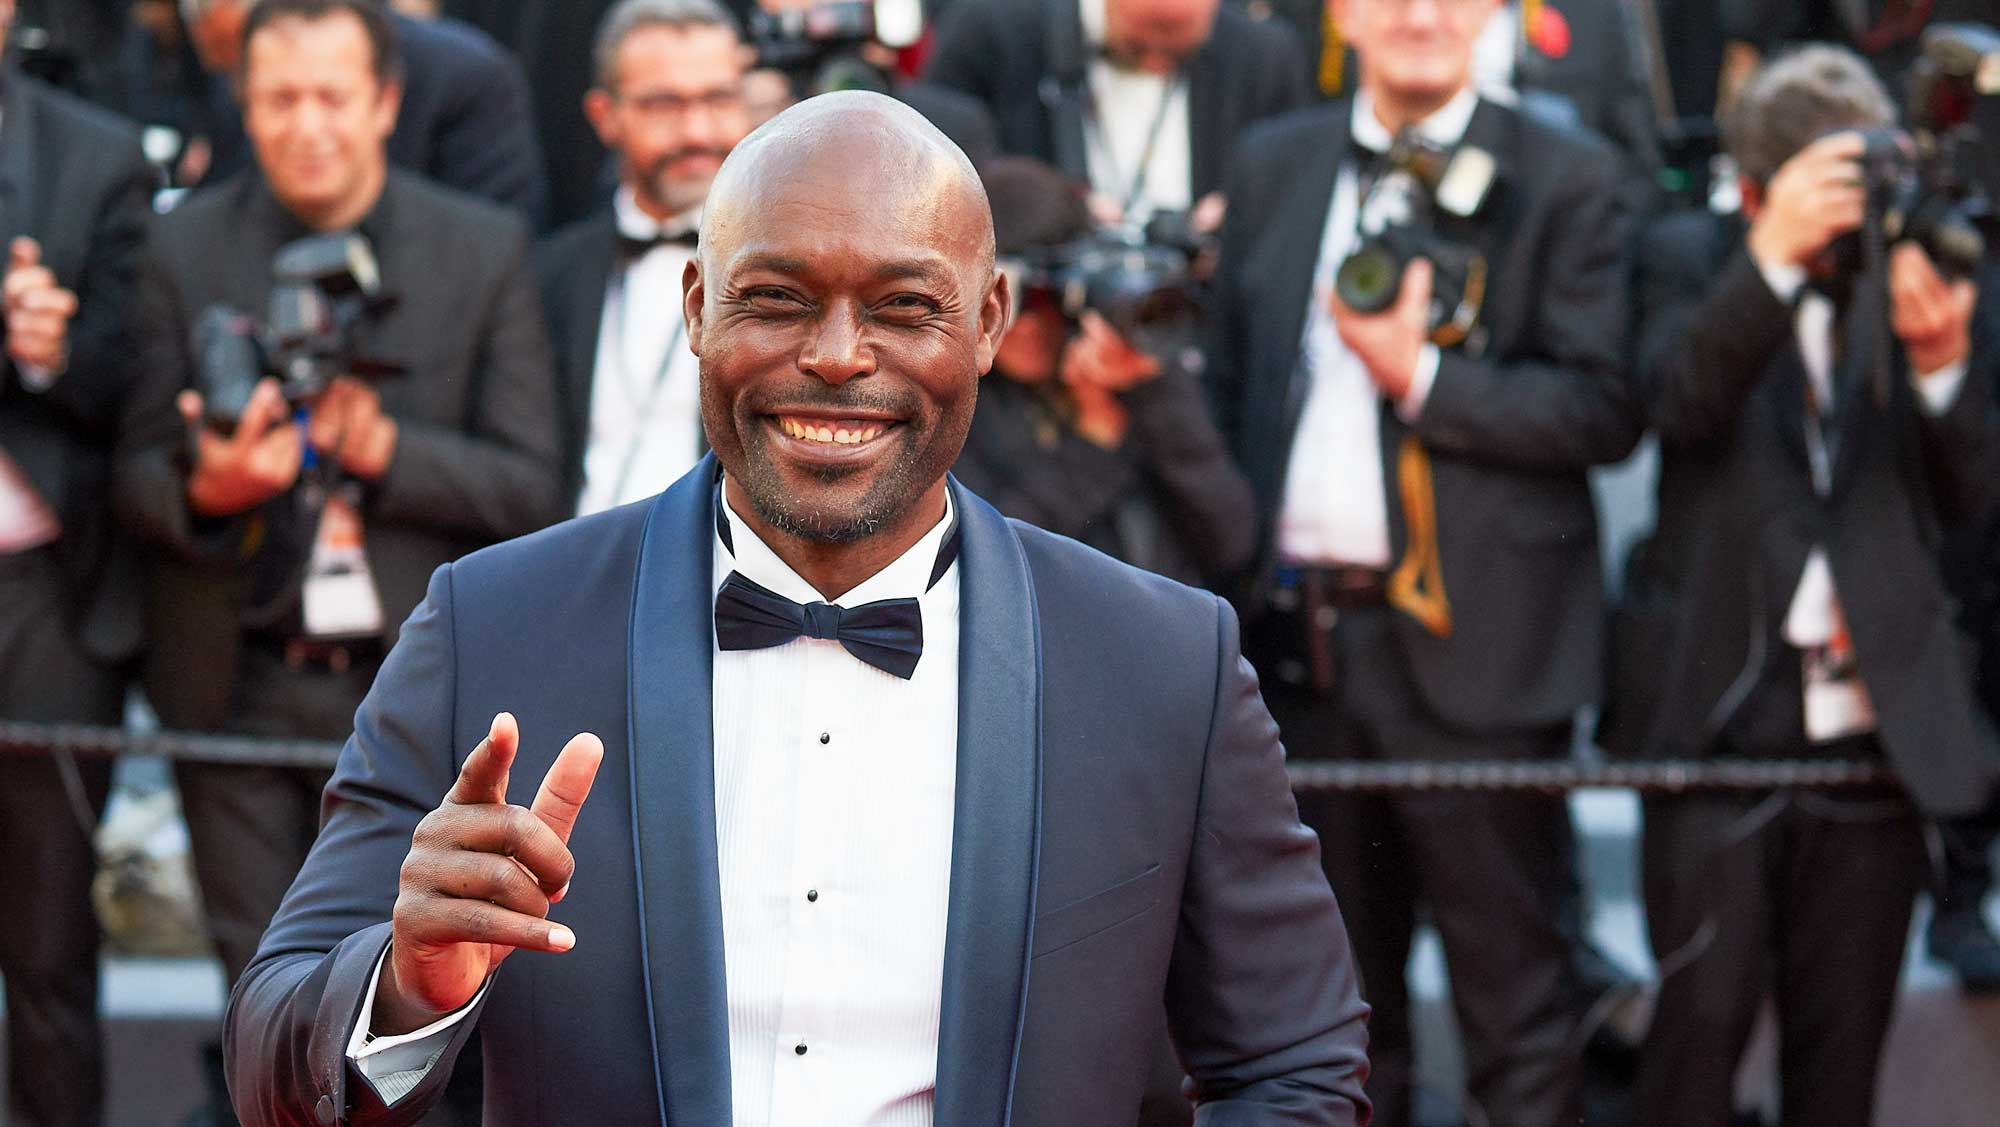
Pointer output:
x,y
348,426
260,459
1930,314
1813,199
38,310
1389,343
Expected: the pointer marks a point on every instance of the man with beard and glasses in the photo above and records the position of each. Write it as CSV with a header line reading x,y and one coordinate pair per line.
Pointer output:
x,y
669,103
903,812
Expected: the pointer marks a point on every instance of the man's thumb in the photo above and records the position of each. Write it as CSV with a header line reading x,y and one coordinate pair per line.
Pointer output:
x,y
23,252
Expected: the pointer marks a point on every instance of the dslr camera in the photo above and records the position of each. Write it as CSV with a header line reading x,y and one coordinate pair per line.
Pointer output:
x,y
1399,221
324,288
1926,185
1142,282
820,49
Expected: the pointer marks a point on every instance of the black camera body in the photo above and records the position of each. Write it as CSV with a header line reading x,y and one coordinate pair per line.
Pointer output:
x,y
1398,224
324,287
1927,186
819,48
1142,283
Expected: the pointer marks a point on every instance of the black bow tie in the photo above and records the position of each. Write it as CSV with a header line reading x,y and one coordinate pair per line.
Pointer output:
x,y
631,249
887,634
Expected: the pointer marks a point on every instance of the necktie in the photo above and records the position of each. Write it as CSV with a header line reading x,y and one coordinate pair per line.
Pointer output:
x,y
632,248
887,634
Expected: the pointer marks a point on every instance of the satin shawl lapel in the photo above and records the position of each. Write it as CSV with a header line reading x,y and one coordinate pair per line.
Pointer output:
x,y
673,804
20,188
587,283
1300,227
996,832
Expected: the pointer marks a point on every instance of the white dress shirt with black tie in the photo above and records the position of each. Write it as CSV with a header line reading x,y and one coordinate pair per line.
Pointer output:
x,y
834,791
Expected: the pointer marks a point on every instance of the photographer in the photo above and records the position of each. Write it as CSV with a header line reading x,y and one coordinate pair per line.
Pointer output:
x,y
289,549
1082,433
73,189
1822,403
1429,583
1141,99
809,47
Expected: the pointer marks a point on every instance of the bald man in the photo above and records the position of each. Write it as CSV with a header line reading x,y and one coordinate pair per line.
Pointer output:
x,y
812,790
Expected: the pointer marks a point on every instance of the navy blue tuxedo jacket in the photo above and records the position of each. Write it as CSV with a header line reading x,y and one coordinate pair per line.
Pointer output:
x,y
1124,834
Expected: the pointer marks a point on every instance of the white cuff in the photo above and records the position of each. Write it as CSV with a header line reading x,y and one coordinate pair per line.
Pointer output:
x,y
1937,391
1784,278
36,378
1422,380
396,1065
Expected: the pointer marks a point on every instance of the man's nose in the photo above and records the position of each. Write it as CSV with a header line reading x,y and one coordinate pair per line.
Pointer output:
x,y
836,352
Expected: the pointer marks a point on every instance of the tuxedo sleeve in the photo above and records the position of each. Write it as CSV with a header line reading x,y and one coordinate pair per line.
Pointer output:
x,y
1562,400
1263,998
499,475
1706,337
292,1014
1959,442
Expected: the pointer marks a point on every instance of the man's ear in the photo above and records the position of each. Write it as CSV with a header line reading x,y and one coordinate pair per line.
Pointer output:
x,y
597,110
693,291
994,314
389,106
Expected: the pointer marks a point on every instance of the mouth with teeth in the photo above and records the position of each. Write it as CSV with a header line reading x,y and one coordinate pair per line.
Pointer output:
x,y
833,432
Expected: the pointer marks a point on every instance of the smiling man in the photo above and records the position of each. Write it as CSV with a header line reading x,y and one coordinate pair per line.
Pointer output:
x,y
875,808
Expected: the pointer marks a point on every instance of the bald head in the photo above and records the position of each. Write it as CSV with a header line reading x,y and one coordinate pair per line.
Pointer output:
x,y
853,149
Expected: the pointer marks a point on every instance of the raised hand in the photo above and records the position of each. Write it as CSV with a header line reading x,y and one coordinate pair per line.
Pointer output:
x,y
479,879
253,464
38,310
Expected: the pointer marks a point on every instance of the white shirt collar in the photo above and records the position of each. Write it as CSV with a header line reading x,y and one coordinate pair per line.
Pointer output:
x,y
907,577
1445,126
1091,12
634,223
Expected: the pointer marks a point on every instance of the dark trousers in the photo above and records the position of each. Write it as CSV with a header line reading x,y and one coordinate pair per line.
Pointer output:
x,y
250,827
1491,870
48,811
1800,895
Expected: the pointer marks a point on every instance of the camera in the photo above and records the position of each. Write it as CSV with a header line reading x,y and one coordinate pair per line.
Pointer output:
x,y
819,49
324,288
1926,185
1142,282
1398,222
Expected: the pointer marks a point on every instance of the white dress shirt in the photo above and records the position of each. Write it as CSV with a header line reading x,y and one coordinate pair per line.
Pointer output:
x,y
1814,617
1140,126
645,394
1335,508
834,790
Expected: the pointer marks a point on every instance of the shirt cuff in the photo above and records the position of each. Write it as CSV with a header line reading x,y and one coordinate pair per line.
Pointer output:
x,y
36,378
1786,279
1937,391
1422,380
394,1066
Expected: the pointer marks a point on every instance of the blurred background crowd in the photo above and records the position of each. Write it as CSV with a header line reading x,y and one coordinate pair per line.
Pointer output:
x,y
1543,380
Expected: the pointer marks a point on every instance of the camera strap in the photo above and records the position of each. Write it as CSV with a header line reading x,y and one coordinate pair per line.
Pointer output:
x,y
643,398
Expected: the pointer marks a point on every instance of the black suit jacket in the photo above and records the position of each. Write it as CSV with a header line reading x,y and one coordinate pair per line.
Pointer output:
x,y
476,456
1724,387
574,266
72,177
1601,81
1516,415
1026,61
1124,835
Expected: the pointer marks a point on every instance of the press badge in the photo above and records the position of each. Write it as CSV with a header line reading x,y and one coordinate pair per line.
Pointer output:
x,y
339,598
1836,700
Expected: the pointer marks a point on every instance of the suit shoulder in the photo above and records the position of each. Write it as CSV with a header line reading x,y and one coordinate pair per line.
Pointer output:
x,y
1562,148
479,226
1687,240
94,124
1259,42
1277,138
1112,587
571,554
555,250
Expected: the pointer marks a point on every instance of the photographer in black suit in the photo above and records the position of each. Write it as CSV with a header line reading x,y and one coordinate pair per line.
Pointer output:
x,y
1818,425
275,592
1141,99
1430,582
73,190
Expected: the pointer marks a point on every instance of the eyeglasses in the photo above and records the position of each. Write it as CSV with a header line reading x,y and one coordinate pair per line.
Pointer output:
x,y
668,106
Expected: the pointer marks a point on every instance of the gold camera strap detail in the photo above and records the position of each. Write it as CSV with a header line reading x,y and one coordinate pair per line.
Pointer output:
x,y
1453,332
1417,586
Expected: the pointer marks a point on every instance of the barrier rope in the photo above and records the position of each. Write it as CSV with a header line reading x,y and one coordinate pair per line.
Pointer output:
x,y
1544,776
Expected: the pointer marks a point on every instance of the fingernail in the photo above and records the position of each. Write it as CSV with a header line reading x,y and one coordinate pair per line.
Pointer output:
x,y
561,938
560,893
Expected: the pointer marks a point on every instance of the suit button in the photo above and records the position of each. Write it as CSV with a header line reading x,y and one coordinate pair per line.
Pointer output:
x,y
323,1110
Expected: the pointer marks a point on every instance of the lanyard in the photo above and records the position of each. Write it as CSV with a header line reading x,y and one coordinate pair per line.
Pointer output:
x,y
1136,188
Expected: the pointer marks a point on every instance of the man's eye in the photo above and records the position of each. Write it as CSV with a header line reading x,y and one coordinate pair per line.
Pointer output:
x,y
912,303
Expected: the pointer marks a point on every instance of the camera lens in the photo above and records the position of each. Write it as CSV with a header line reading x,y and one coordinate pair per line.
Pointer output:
x,y
1369,278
